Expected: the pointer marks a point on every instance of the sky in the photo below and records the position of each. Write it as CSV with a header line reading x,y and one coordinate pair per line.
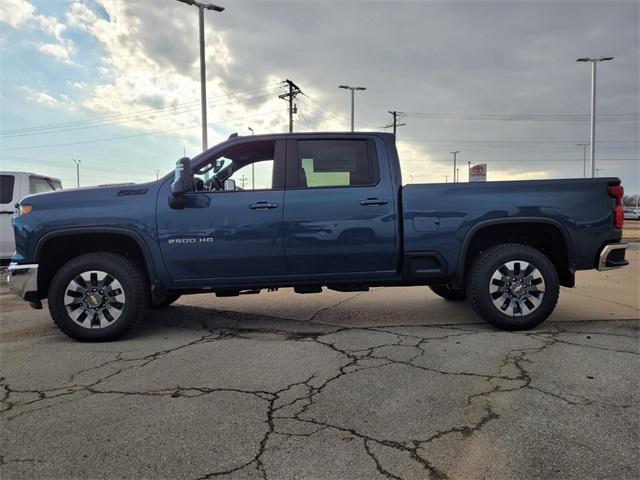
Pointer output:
x,y
115,83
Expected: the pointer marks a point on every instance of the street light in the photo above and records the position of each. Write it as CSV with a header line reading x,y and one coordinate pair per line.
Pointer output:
x,y
584,158
253,166
455,155
77,162
353,89
593,61
203,80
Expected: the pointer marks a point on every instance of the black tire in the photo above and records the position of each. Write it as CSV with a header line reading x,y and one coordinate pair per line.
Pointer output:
x,y
518,315
129,300
165,301
448,293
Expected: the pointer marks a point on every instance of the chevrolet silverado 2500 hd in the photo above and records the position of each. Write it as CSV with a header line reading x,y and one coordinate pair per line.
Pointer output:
x,y
308,211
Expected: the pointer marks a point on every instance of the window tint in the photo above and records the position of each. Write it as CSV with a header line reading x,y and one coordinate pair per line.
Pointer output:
x,y
6,188
40,184
335,163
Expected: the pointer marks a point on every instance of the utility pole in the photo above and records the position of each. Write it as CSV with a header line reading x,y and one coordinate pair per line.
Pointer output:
x,y
446,179
290,96
243,180
584,158
395,120
203,77
455,155
468,171
594,62
353,89
77,162
457,175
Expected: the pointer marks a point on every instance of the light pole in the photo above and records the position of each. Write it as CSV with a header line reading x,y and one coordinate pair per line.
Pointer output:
x,y
593,61
253,166
157,173
353,89
584,158
203,78
446,179
468,171
455,155
77,162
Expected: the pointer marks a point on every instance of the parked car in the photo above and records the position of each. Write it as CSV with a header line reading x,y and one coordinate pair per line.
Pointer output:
x,y
14,186
631,214
333,214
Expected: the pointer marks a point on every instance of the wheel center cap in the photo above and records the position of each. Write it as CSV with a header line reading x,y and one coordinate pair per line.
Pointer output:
x,y
93,300
518,288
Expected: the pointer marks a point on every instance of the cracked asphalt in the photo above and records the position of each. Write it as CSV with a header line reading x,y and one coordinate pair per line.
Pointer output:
x,y
393,383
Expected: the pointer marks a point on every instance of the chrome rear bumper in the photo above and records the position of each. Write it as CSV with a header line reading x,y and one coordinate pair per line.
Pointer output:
x,y
612,256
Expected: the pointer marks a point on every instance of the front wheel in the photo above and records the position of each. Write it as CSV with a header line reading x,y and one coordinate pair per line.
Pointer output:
x,y
98,297
512,286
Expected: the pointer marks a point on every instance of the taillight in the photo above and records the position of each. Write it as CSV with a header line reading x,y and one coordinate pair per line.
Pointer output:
x,y
617,192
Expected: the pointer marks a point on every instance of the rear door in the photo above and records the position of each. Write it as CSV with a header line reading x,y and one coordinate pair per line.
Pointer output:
x,y
9,194
339,214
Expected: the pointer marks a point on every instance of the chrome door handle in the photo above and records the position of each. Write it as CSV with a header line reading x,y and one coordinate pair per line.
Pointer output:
x,y
371,202
263,206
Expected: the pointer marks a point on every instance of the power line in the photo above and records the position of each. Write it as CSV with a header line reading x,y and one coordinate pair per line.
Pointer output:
x,y
411,140
143,113
126,136
524,117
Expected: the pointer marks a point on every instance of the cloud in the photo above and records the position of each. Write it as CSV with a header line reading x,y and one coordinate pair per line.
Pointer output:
x,y
16,12
62,51
44,98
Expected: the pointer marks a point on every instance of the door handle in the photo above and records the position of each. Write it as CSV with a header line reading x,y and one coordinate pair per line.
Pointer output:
x,y
371,202
7,212
263,206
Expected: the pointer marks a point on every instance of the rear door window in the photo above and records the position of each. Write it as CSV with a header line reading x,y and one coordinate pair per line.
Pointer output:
x,y
6,188
41,184
335,163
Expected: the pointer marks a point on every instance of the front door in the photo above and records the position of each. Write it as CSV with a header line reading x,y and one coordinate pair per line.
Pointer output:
x,y
339,210
230,236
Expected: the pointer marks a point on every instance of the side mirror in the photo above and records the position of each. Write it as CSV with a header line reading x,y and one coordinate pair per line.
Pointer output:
x,y
183,180
229,185
182,183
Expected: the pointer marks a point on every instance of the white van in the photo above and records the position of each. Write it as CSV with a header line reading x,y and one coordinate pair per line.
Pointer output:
x,y
14,186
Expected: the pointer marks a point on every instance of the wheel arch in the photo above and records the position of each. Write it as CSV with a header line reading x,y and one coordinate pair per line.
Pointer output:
x,y
562,256
110,239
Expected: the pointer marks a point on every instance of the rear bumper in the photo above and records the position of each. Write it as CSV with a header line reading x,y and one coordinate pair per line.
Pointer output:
x,y
612,256
23,281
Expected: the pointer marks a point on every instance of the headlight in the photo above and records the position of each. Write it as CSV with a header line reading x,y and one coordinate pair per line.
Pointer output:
x,y
24,209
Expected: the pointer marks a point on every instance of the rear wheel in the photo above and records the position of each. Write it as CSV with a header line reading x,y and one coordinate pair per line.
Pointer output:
x,y
514,287
98,297
448,293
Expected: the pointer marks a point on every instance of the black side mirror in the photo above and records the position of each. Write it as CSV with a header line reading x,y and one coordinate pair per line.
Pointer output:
x,y
182,183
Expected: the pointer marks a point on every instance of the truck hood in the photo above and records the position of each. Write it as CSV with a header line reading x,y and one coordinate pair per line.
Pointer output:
x,y
87,195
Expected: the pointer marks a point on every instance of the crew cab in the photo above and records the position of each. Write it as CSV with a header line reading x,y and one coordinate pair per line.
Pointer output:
x,y
309,211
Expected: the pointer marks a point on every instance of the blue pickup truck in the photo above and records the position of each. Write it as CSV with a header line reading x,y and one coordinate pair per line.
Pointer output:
x,y
308,211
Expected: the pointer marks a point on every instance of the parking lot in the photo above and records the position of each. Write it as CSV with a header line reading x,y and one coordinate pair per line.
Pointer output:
x,y
392,383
